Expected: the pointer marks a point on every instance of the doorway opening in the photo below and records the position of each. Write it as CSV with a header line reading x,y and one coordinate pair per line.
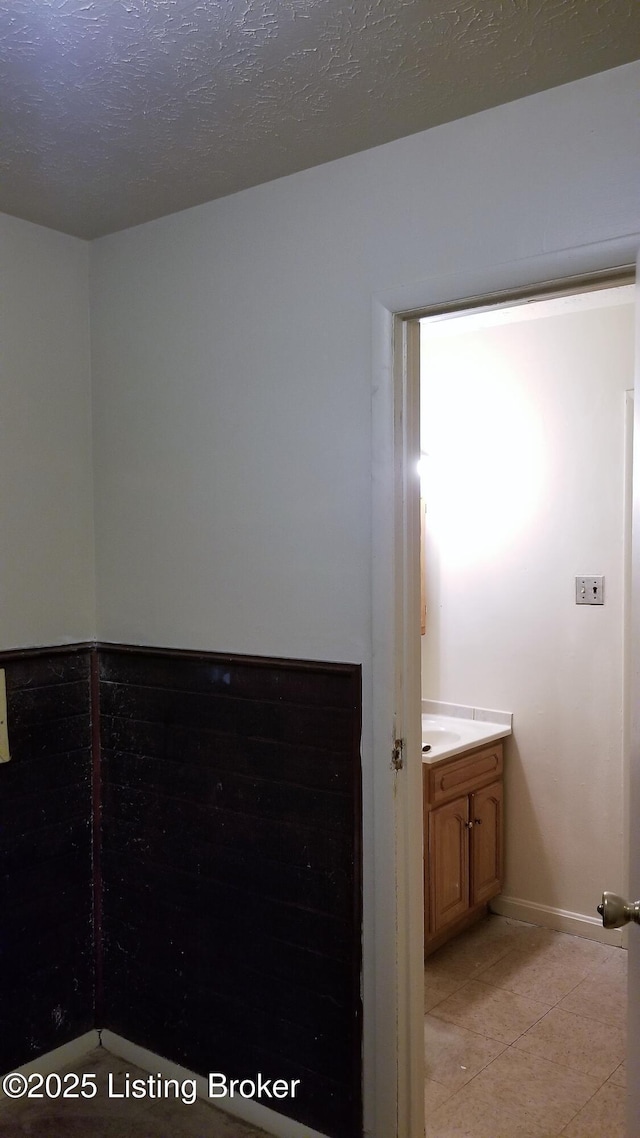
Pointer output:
x,y
402,637
526,416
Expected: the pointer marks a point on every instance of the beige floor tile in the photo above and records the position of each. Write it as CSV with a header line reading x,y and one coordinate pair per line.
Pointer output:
x,y
491,1011
468,954
454,1055
529,937
504,930
619,1076
575,1042
602,996
468,1114
579,950
490,939
593,952
437,988
616,963
519,934
550,1080
548,1092
538,974
434,1096
602,1117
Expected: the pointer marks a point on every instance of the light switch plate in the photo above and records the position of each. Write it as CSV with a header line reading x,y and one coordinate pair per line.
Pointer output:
x,y
589,590
4,731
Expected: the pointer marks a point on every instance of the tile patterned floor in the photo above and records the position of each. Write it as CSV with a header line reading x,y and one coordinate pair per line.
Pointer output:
x,y
525,1035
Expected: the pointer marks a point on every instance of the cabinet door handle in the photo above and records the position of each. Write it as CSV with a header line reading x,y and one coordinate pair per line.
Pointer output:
x,y
469,825
477,821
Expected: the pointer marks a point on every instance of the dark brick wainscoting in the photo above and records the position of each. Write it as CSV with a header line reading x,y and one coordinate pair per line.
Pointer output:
x,y
211,807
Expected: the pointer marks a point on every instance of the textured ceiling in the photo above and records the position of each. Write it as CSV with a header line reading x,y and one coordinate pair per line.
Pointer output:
x,y
114,112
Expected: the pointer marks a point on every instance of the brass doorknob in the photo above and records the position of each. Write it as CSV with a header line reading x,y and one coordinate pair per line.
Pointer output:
x,y
616,912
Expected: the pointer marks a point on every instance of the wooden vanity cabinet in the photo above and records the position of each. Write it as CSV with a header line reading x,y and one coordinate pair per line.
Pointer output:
x,y
463,817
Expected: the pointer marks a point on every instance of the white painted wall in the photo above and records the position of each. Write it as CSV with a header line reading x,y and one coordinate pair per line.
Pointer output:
x,y
231,362
46,500
524,424
233,349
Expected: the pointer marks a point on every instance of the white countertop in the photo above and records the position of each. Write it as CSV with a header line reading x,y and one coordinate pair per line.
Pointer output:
x,y
452,729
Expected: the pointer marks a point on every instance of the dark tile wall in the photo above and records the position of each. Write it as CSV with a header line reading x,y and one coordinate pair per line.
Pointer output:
x,y
231,868
180,861
46,933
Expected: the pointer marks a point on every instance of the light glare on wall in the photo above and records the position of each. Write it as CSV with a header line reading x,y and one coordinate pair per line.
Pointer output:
x,y
483,466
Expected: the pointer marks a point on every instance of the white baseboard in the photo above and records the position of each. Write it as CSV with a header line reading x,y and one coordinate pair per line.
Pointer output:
x,y
248,1110
561,920
60,1056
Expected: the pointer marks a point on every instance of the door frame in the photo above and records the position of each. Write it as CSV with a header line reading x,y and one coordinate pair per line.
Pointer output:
x,y
394,1047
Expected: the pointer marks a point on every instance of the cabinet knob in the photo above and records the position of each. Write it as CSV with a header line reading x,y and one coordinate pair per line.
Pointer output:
x,y
477,821
469,825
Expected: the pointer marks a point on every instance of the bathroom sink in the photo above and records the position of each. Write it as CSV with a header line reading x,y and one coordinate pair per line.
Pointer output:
x,y
439,737
446,734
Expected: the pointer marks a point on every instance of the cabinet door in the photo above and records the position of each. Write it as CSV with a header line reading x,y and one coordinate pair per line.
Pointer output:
x,y
449,862
486,843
